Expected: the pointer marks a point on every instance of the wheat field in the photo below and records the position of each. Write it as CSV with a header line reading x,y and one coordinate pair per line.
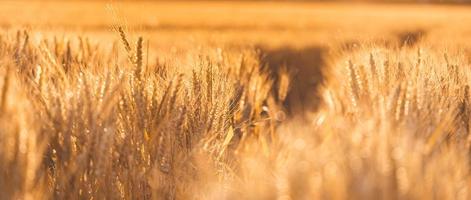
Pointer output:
x,y
234,100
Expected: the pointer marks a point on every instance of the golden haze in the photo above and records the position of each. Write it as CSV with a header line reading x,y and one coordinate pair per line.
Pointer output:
x,y
234,100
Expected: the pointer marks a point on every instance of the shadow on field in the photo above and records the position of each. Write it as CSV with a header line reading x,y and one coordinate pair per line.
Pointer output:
x,y
410,38
305,67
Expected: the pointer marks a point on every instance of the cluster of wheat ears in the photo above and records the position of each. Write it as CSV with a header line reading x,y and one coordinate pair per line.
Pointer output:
x,y
78,121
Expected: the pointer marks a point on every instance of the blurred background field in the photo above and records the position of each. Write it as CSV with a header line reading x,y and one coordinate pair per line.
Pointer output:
x,y
236,22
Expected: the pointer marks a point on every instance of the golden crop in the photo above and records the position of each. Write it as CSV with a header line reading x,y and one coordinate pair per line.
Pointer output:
x,y
254,100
